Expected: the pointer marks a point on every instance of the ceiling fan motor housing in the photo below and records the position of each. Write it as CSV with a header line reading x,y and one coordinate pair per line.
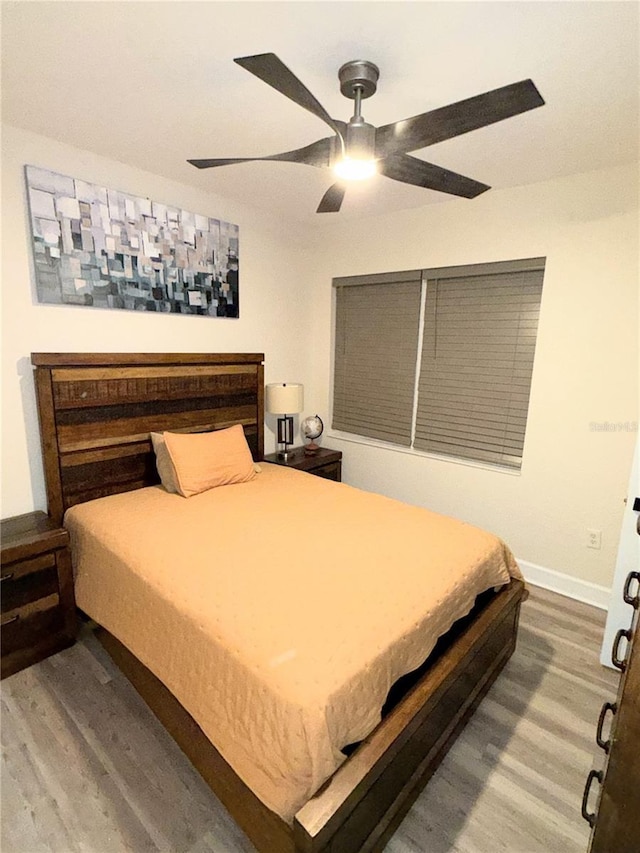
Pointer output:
x,y
361,139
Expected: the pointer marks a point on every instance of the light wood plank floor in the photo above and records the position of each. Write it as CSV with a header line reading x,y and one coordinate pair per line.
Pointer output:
x,y
86,766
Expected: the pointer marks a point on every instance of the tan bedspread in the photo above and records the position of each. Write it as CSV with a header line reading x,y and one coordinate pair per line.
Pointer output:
x,y
280,611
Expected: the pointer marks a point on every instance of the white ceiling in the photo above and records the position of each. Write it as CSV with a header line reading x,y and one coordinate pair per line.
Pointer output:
x,y
153,83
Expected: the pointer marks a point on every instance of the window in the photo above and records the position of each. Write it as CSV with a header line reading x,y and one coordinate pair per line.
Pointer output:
x,y
439,360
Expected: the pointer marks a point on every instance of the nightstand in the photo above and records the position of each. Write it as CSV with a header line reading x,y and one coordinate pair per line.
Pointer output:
x,y
325,463
36,583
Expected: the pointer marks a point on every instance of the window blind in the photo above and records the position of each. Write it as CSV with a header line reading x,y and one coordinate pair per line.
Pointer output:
x,y
477,359
376,348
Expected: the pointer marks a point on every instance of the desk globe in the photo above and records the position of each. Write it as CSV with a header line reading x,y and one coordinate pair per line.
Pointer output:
x,y
312,428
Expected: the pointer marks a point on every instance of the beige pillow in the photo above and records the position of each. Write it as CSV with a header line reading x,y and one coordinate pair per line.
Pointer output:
x,y
164,464
203,461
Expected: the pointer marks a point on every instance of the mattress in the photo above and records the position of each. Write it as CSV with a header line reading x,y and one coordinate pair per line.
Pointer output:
x,y
279,612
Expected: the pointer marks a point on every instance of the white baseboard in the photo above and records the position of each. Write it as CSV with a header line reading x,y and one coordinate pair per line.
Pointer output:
x,y
590,593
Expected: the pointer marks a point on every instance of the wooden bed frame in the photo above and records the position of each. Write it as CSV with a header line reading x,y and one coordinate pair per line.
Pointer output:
x,y
96,412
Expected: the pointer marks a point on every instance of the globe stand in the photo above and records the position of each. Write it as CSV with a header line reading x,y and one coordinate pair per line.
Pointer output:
x,y
311,449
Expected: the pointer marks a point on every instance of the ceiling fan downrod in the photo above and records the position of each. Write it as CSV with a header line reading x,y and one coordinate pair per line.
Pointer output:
x,y
357,105
359,80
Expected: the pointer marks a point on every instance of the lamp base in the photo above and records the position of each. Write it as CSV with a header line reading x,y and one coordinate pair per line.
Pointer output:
x,y
284,454
285,430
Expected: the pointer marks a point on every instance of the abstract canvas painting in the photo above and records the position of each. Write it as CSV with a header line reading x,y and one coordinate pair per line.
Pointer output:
x,y
107,249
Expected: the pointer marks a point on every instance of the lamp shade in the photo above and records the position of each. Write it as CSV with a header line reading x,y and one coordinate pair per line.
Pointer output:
x,y
284,398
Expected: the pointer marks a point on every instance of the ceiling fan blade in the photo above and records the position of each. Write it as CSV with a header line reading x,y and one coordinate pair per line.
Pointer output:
x,y
275,73
410,170
456,119
316,154
332,200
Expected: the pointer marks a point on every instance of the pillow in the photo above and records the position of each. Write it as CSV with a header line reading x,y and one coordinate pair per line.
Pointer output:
x,y
203,461
164,464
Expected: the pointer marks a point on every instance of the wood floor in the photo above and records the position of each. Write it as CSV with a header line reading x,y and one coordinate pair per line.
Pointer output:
x,y
86,767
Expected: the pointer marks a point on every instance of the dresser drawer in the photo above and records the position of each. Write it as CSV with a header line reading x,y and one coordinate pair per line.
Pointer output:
x,y
614,820
28,581
26,626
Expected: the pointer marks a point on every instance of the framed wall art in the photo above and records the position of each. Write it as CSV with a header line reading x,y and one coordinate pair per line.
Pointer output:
x,y
104,248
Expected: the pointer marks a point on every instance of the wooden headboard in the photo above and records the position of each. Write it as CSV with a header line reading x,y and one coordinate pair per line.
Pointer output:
x,y
97,409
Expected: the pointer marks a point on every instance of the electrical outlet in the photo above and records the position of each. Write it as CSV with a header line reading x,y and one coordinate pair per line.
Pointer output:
x,y
594,539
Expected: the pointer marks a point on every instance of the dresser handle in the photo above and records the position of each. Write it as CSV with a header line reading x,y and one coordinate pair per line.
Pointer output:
x,y
590,818
633,600
608,706
615,660
8,577
13,619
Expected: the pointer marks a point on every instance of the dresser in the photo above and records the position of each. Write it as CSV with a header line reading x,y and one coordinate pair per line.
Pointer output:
x,y
615,820
36,585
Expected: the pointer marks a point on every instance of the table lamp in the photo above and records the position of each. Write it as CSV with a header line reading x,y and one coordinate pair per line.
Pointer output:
x,y
284,399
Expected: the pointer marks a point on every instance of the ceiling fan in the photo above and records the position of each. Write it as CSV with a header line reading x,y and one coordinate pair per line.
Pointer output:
x,y
358,150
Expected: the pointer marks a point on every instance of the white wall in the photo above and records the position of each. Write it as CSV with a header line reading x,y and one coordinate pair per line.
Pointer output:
x,y
274,315
586,367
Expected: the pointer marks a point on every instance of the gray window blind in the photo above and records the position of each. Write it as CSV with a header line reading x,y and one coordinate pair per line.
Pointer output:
x,y
376,348
477,359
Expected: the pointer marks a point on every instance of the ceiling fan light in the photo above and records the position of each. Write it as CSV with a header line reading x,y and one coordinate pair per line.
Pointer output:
x,y
355,168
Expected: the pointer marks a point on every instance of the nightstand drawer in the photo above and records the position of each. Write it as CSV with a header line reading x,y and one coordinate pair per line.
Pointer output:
x,y
25,626
324,462
333,471
38,604
29,580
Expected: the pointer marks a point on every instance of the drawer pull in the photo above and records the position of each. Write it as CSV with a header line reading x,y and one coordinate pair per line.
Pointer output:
x,y
9,575
608,706
13,619
633,600
620,663
590,817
